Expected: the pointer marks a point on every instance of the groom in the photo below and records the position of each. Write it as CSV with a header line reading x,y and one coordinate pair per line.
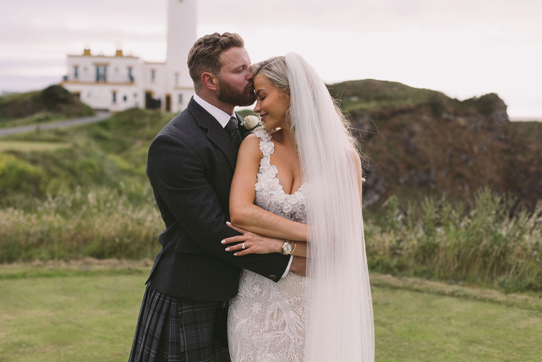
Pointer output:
x,y
190,166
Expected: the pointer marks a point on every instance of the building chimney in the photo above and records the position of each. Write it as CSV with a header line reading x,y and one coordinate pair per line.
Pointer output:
x,y
119,53
86,51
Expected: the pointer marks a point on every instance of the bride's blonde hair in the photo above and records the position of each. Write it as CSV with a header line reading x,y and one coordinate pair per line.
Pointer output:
x,y
276,71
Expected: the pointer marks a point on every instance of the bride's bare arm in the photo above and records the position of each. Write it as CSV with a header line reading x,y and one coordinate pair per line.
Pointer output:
x,y
357,162
243,212
250,243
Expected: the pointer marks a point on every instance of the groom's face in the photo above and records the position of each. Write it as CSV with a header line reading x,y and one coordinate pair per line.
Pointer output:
x,y
235,85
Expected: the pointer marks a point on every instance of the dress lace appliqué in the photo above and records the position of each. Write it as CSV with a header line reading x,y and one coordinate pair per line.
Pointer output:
x,y
266,320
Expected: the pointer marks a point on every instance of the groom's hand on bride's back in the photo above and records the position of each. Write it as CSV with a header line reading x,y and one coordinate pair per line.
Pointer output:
x,y
299,266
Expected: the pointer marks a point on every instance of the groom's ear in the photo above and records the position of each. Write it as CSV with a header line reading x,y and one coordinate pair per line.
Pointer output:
x,y
209,81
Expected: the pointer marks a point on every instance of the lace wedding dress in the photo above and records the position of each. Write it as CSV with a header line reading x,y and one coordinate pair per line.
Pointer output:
x,y
266,320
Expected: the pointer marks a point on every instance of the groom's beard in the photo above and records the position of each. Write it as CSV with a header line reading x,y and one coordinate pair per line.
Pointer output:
x,y
230,95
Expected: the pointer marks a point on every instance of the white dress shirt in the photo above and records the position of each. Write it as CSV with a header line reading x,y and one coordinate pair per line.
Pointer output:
x,y
223,118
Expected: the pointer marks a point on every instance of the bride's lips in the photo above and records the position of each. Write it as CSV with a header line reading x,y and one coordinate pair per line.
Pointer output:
x,y
262,117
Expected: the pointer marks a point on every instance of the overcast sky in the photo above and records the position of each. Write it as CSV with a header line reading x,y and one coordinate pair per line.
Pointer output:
x,y
464,48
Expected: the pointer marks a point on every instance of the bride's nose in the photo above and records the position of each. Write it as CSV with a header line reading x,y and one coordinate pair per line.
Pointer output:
x,y
257,107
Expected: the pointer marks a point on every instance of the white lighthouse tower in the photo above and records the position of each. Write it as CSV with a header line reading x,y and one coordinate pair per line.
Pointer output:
x,y
118,82
181,35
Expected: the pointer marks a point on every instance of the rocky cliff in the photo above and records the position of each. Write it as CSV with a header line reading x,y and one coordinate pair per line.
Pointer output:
x,y
420,142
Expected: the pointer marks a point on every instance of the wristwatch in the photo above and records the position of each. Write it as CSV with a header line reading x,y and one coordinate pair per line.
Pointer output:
x,y
287,248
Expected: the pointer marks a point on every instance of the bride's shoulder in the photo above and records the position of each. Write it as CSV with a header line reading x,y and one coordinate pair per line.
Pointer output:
x,y
251,144
354,155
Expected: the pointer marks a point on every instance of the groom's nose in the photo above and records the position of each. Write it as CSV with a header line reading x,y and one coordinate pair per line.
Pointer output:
x,y
249,75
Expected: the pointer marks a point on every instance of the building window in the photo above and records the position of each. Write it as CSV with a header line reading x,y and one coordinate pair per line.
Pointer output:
x,y
135,95
101,73
180,98
75,72
176,78
125,98
153,75
114,93
89,94
130,75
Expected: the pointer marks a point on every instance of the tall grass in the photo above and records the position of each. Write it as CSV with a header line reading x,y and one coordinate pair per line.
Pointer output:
x,y
100,223
489,243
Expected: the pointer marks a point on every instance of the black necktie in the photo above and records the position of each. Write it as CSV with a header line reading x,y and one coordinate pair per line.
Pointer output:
x,y
233,131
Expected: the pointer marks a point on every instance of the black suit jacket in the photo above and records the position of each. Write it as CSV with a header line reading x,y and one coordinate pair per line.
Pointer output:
x,y
190,166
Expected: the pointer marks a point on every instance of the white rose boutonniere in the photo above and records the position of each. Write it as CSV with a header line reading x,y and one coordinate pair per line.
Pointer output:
x,y
251,123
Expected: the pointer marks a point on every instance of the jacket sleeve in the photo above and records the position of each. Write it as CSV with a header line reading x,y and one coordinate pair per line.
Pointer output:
x,y
177,173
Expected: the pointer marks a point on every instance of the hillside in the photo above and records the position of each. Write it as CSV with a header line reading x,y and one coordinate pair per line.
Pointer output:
x,y
83,192
420,142
104,154
50,104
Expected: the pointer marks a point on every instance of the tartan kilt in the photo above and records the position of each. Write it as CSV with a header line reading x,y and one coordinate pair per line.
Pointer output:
x,y
179,330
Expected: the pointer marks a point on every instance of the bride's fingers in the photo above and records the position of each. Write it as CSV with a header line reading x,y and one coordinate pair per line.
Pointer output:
x,y
241,246
234,239
242,231
243,252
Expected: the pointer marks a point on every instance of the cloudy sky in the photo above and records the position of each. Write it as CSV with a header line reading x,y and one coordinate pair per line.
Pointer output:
x,y
464,48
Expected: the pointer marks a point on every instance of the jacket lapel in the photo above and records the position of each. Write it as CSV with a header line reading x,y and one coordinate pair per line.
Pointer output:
x,y
215,133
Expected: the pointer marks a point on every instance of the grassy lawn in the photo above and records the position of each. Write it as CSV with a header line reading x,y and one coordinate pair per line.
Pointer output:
x,y
413,326
89,314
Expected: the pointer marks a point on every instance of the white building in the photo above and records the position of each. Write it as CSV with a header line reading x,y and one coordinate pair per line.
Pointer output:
x,y
119,82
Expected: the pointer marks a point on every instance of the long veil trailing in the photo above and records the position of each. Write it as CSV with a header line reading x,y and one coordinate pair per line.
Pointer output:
x,y
339,315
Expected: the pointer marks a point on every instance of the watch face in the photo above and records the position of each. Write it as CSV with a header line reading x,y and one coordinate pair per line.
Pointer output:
x,y
287,248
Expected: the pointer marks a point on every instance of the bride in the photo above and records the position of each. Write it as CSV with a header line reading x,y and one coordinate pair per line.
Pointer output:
x,y
302,166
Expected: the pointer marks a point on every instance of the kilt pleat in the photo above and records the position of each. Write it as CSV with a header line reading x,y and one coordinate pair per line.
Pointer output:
x,y
176,330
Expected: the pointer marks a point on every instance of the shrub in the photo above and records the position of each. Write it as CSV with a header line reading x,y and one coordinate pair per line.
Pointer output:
x,y
17,175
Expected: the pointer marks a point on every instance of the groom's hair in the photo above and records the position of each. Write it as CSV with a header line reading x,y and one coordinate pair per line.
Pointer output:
x,y
205,54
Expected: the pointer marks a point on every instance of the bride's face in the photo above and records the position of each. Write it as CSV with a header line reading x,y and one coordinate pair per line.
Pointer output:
x,y
271,103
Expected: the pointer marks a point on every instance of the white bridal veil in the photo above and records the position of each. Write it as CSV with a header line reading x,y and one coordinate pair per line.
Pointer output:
x,y
339,316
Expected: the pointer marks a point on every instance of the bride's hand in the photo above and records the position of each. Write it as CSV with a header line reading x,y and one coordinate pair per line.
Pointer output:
x,y
250,243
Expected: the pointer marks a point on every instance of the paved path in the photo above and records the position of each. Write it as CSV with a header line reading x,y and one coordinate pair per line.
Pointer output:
x,y
100,116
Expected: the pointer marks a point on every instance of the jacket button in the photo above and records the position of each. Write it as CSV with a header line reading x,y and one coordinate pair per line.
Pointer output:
x,y
272,277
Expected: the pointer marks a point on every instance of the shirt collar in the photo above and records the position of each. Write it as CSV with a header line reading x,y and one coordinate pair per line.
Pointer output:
x,y
222,117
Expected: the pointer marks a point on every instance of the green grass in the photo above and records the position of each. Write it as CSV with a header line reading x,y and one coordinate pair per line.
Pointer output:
x,y
22,146
52,312
412,326
69,319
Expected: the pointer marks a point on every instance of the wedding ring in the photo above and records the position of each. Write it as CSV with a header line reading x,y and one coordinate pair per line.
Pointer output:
x,y
243,246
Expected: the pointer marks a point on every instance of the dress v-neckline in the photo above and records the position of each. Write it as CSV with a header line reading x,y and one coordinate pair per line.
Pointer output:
x,y
282,187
